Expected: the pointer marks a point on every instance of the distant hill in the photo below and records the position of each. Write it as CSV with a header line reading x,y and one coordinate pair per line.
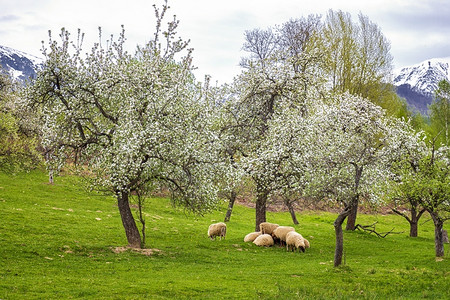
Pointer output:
x,y
417,83
20,65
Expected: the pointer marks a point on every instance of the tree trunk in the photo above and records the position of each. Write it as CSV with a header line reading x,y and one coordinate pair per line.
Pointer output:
x,y
351,220
50,177
261,200
438,237
413,229
413,221
131,230
291,211
445,237
141,219
232,199
339,251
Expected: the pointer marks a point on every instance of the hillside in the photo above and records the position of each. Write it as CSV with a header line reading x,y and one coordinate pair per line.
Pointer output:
x,y
60,241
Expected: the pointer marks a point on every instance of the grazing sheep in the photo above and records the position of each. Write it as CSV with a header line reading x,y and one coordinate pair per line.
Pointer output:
x,y
307,245
295,240
217,229
264,240
266,227
280,233
251,236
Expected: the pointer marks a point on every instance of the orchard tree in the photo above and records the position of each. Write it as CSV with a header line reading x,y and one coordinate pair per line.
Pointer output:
x,y
433,188
399,189
132,120
284,153
258,95
280,70
351,143
340,151
357,61
426,181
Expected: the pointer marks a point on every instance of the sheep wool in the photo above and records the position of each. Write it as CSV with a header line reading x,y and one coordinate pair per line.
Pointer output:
x,y
217,229
251,236
266,227
281,231
307,245
264,240
295,240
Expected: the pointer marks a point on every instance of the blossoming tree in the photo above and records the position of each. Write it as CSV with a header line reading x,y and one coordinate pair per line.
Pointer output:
x,y
132,120
423,178
340,151
274,75
352,146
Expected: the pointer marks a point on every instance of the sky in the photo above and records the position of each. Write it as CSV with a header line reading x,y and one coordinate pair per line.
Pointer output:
x,y
417,29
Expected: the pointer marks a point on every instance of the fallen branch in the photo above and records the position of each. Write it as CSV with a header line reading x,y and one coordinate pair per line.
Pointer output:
x,y
371,229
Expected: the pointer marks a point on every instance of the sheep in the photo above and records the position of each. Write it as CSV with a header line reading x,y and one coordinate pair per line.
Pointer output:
x,y
280,233
217,229
307,245
252,236
295,240
264,240
266,227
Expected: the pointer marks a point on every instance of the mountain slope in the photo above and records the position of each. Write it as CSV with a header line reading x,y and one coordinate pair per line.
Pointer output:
x,y
20,65
418,82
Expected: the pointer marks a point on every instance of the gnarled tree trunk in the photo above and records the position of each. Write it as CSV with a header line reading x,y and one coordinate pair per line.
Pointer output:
x,y
291,211
438,236
413,221
413,227
261,201
131,230
339,250
232,199
351,220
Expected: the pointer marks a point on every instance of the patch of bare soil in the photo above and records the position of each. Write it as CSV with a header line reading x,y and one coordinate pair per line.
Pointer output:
x,y
147,252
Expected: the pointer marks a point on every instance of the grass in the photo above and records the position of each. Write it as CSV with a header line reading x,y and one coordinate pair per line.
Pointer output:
x,y
57,241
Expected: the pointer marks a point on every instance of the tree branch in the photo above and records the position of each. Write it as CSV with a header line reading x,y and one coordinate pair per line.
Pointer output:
x,y
371,229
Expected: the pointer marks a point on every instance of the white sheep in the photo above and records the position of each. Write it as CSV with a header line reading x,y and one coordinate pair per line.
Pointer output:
x,y
217,229
266,227
280,233
264,240
295,240
307,245
252,236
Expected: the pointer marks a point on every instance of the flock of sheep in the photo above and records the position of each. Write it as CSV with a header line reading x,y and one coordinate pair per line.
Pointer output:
x,y
268,235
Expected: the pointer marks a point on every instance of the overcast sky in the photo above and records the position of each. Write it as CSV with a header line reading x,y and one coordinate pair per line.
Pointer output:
x,y
417,29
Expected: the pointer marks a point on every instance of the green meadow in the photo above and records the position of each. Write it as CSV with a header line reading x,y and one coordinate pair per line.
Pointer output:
x,y
61,241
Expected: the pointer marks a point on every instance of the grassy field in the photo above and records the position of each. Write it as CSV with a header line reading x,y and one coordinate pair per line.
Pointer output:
x,y
58,241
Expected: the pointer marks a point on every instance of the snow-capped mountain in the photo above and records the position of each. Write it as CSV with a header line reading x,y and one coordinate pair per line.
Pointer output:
x,y
20,65
417,83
